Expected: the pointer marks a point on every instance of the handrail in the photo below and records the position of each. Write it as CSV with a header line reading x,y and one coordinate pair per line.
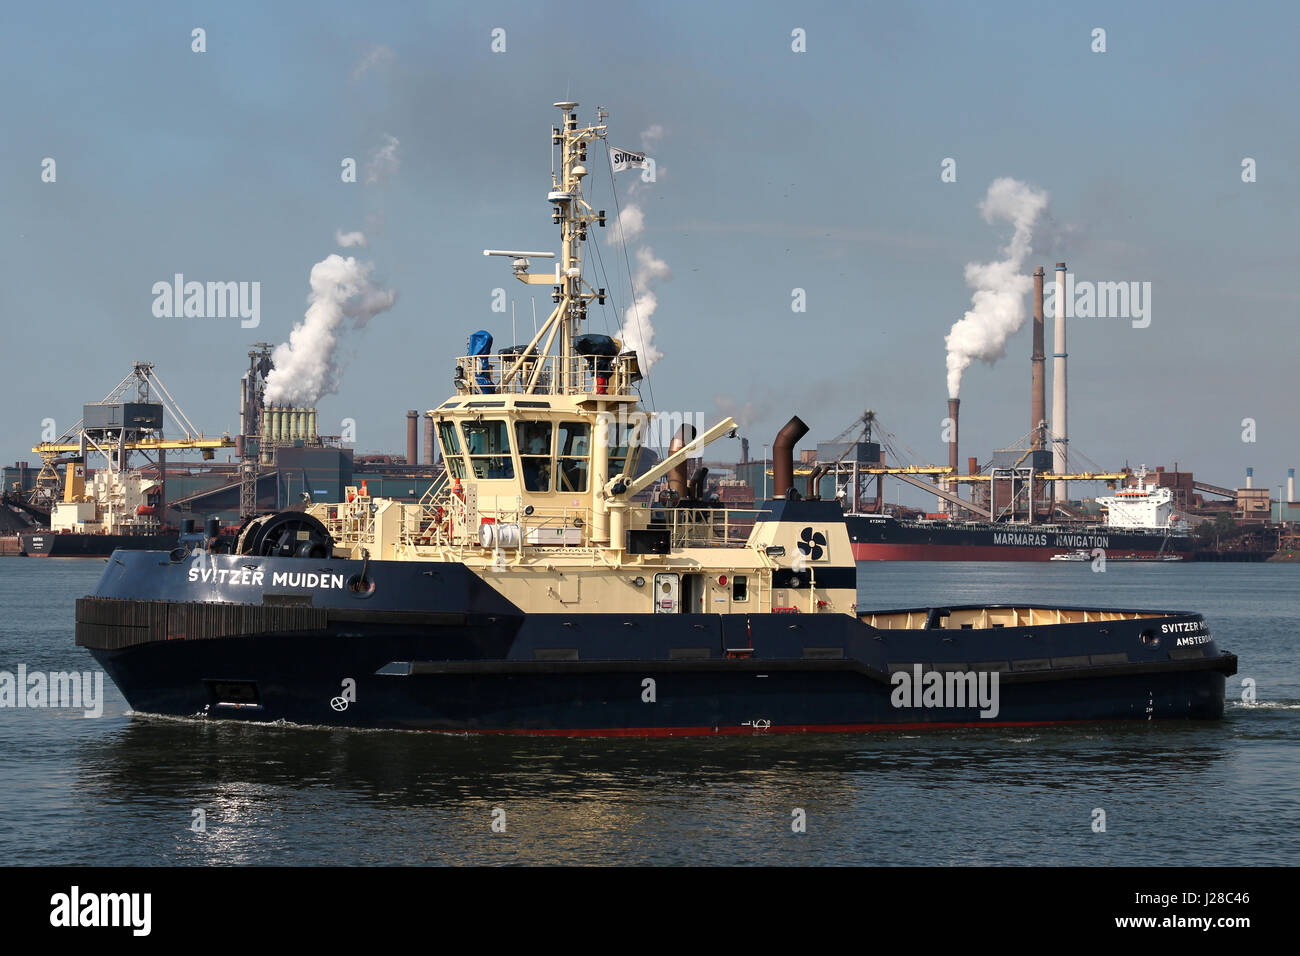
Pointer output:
x,y
707,527
613,375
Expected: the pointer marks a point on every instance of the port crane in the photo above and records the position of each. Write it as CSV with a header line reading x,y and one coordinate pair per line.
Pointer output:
x,y
117,441
868,424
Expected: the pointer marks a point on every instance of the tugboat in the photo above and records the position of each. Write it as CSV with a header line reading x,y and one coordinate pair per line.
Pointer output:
x,y
538,590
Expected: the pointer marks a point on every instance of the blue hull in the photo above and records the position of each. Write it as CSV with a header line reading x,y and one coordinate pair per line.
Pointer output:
x,y
433,647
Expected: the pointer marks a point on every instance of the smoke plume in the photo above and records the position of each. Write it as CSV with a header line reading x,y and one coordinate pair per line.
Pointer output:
x,y
384,161
998,303
377,55
629,225
306,367
638,332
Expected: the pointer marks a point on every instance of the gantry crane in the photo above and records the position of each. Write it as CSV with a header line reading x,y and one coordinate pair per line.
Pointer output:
x,y
116,437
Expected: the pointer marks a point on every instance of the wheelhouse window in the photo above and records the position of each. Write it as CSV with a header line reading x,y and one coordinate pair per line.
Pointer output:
x,y
450,442
573,445
488,446
620,434
534,440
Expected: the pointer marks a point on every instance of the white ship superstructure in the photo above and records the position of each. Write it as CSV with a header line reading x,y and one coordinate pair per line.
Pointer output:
x,y
112,502
1141,506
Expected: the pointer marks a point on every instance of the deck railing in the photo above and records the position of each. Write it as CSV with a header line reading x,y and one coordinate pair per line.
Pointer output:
x,y
706,527
509,373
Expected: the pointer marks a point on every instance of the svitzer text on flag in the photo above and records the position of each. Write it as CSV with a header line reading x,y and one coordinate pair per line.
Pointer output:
x,y
623,159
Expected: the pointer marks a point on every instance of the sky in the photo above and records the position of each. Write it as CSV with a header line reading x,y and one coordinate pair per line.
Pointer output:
x,y
777,169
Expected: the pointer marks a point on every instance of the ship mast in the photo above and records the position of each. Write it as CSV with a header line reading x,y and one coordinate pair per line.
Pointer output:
x,y
574,216
569,292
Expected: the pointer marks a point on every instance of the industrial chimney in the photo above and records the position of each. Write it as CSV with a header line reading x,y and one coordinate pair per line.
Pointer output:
x,y
428,439
1060,429
1038,361
1290,484
953,405
412,438
1250,477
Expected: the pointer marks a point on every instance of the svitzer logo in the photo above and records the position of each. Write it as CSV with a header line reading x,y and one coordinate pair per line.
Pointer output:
x,y
812,544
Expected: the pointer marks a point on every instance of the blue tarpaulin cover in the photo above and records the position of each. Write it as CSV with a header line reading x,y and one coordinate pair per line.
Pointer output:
x,y
480,343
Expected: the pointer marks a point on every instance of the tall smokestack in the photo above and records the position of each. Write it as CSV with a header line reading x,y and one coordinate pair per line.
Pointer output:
x,y
1250,477
1290,484
1038,363
954,404
428,439
1060,428
412,437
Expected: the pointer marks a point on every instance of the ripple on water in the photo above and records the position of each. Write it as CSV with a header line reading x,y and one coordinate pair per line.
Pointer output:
x,y
123,789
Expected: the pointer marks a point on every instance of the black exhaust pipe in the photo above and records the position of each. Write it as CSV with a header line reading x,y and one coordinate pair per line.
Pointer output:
x,y
677,476
698,483
814,481
783,456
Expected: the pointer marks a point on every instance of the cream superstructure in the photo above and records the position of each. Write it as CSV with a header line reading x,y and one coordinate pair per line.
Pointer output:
x,y
541,493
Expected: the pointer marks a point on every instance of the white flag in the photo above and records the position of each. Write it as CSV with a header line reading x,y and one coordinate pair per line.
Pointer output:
x,y
626,160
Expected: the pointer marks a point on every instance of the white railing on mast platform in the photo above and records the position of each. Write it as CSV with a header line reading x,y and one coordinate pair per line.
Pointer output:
x,y
613,375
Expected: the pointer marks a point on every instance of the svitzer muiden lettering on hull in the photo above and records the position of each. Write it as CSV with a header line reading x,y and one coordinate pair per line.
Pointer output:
x,y
553,583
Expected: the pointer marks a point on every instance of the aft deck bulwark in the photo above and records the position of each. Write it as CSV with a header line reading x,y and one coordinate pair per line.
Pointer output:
x,y
983,617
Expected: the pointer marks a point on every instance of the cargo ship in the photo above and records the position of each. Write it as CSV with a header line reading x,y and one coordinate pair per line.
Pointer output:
x,y
114,511
1140,524
542,587
47,544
